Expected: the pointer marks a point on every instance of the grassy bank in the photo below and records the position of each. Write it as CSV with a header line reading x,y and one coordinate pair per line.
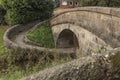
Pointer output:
x,y
2,31
42,35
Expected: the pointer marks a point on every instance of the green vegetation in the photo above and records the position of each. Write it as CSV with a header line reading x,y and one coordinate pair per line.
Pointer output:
x,y
106,3
2,16
15,72
2,30
42,35
115,60
24,11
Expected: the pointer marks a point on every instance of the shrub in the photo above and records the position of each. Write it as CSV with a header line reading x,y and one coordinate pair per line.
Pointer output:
x,y
113,3
107,3
2,14
23,11
115,60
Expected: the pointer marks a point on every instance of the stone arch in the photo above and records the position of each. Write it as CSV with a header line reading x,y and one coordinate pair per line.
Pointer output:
x,y
67,39
88,42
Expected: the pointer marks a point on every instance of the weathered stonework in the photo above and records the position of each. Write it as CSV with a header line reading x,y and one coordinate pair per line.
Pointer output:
x,y
88,42
102,22
86,68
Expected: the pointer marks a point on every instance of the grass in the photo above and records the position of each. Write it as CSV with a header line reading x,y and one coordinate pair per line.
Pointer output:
x,y
2,31
42,35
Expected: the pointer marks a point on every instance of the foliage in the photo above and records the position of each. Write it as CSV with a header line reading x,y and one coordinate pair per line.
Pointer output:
x,y
115,60
42,35
113,3
106,3
23,11
2,31
2,15
17,66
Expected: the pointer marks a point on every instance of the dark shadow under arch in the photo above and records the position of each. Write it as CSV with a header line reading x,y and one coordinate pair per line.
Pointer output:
x,y
67,39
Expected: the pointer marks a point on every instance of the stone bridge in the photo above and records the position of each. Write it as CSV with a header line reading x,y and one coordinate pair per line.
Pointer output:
x,y
87,29
83,30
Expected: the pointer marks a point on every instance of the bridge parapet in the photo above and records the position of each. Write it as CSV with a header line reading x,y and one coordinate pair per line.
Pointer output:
x,y
103,22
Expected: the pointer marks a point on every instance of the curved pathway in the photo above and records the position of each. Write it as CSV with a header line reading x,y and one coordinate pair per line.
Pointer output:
x,y
19,39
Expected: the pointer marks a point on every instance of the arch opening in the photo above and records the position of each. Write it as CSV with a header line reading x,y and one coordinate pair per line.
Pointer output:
x,y
67,39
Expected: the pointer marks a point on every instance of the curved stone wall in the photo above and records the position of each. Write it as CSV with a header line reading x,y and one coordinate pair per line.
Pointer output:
x,y
11,33
101,21
27,48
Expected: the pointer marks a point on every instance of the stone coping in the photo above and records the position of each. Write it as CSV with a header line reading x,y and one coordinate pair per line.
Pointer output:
x,y
102,10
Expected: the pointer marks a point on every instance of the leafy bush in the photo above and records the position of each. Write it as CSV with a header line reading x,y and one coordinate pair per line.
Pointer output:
x,y
10,71
107,3
115,60
23,11
2,14
113,3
